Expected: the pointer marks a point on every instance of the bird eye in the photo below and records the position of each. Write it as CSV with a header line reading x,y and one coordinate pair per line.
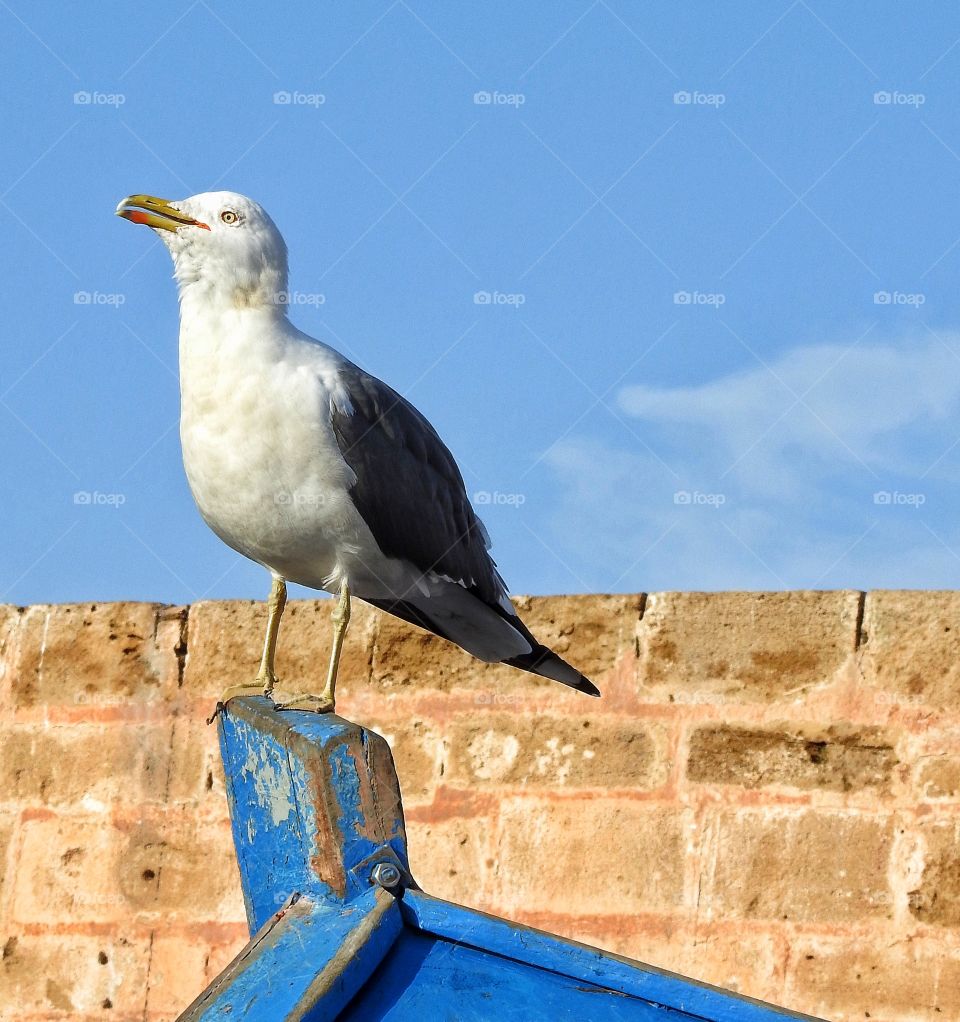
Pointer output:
x,y
229,217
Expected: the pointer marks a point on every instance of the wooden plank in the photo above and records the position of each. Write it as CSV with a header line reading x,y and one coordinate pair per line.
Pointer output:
x,y
315,807
314,804
305,965
587,964
426,979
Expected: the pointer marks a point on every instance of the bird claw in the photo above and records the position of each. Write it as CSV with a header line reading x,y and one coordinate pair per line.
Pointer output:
x,y
258,688
263,686
307,701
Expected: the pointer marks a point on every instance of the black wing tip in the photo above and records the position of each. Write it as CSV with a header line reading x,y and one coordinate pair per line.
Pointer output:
x,y
587,687
544,662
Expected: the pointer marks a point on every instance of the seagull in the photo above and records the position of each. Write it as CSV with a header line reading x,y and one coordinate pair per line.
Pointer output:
x,y
303,462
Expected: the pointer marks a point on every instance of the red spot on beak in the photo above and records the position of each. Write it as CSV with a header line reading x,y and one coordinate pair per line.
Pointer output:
x,y
135,215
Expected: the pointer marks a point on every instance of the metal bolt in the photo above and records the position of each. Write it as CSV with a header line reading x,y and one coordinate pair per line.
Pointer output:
x,y
386,874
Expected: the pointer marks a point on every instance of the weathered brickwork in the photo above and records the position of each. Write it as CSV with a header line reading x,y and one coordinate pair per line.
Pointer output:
x,y
767,796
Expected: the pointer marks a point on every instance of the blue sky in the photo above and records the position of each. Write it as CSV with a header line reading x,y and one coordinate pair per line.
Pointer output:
x,y
720,243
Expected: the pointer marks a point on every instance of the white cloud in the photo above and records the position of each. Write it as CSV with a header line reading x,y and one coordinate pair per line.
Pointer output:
x,y
781,462
874,408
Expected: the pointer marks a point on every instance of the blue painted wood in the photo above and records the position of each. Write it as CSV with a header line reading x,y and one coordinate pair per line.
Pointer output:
x,y
307,963
315,807
535,948
306,818
428,980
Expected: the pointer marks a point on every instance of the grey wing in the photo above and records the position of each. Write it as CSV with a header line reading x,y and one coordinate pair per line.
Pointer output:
x,y
409,490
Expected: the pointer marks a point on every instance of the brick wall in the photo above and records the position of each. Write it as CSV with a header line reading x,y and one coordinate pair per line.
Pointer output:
x,y
767,797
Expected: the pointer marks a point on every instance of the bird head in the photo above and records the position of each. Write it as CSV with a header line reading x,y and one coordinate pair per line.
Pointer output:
x,y
225,247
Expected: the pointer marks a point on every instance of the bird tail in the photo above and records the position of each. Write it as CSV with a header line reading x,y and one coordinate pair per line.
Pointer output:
x,y
543,661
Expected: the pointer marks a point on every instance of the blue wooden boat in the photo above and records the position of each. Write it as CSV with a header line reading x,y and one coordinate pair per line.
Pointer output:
x,y
340,929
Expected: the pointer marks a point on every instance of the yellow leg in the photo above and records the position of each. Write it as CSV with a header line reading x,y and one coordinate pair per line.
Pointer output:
x,y
266,678
325,702
275,604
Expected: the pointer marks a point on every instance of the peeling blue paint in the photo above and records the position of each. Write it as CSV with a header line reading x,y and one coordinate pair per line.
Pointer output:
x,y
315,805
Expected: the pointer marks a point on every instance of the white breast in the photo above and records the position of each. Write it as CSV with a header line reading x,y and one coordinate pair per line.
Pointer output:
x,y
258,448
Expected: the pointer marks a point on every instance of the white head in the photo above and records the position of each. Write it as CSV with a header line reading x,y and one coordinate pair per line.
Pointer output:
x,y
225,247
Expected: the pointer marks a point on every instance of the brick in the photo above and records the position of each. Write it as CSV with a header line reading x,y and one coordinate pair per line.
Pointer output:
x,y
938,778
121,829
69,975
937,898
186,870
80,763
225,640
219,955
834,758
911,646
195,772
417,748
948,988
593,632
97,654
67,870
8,829
744,647
554,752
452,859
177,973
92,871
748,963
598,856
809,866
10,618
751,963
900,982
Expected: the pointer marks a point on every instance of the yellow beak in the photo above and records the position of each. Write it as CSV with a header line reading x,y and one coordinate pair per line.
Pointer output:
x,y
154,212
